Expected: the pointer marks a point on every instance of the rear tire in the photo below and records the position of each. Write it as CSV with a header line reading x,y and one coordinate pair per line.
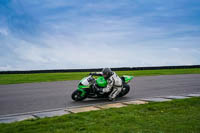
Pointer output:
x,y
126,91
76,96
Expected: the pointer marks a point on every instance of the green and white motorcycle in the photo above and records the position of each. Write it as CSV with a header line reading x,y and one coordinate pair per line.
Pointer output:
x,y
89,87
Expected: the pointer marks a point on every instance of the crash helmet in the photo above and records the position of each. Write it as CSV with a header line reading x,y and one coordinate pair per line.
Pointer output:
x,y
107,72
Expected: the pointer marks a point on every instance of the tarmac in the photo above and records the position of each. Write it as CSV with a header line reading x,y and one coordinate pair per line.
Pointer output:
x,y
47,99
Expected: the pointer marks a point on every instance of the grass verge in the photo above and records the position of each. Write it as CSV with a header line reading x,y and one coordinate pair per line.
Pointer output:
x,y
177,116
47,77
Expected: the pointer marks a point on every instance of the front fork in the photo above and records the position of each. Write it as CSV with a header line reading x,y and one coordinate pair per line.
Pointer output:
x,y
81,88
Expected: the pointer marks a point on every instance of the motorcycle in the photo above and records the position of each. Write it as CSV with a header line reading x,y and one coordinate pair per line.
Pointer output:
x,y
89,87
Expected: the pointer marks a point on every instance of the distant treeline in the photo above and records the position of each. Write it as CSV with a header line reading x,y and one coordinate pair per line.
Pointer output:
x,y
99,69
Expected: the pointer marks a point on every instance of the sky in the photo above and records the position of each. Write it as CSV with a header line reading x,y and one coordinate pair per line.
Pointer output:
x,y
73,34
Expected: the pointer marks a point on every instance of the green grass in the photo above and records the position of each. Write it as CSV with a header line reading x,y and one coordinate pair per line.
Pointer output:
x,y
47,77
178,116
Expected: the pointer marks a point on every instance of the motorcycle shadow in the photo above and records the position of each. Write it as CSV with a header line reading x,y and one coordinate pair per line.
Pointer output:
x,y
100,100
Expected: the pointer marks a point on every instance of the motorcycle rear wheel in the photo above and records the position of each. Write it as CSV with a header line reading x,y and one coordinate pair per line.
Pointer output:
x,y
124,92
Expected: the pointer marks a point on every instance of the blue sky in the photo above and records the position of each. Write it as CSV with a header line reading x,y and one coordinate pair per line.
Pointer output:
x,y
61,34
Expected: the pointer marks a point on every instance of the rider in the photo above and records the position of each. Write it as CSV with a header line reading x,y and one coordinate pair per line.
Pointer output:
x,y
114,82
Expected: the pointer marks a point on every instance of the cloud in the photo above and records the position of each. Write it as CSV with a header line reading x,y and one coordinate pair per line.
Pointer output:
x,y
60,34
3,32
96,50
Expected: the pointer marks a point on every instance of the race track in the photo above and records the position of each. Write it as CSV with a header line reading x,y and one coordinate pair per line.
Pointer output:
x,y
29,97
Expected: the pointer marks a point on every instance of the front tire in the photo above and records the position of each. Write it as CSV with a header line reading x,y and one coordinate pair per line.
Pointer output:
x,y
76,96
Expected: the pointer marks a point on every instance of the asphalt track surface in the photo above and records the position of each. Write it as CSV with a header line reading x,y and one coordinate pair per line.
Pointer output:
x,y
29,97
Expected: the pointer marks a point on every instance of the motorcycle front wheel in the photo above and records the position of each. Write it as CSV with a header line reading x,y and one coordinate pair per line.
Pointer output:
x,y
76,96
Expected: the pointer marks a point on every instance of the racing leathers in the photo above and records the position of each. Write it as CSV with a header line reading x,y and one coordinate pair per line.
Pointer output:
x,y
114,85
